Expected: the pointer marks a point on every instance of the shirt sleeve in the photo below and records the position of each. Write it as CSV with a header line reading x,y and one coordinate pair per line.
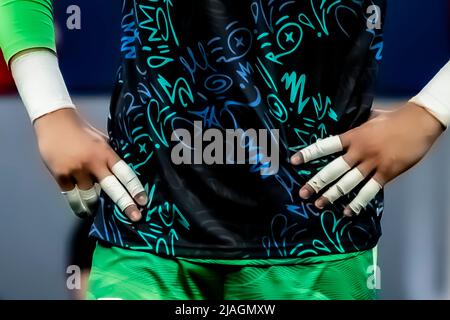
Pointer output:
x,y
26,24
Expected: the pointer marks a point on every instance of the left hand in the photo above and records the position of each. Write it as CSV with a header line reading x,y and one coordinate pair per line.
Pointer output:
x,y
384,147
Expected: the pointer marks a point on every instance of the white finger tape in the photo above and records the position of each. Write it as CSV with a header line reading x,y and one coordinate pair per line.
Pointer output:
x,y
330,173
116,192
75,202
344,185
365,195
128,178
89,197
322,148
98,189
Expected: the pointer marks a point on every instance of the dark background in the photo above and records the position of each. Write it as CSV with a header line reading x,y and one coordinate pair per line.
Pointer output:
x,y
417,44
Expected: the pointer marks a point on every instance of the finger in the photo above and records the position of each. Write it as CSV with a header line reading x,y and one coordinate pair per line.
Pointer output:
x,y
324,177
75,202
114,189
365,195
131,182
86,190
346,184
83,180
98,189
317,150
70,193
66,183
90,199
334,193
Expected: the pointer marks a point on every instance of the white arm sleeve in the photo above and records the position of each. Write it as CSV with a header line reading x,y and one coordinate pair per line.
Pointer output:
x,y
435,97
40,83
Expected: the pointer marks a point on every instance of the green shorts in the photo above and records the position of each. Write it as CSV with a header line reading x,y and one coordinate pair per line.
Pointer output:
x,y
126,274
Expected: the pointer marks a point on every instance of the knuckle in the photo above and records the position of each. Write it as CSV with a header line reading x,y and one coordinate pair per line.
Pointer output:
x,y
352,156
96,159
372,164
351,135
77,169
87,162
61,173
97,166
347,137
104,152
68,170
384,170
366,148
372,152
103,144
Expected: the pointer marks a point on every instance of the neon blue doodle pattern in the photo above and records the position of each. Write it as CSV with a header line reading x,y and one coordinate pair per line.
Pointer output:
x,y
305,67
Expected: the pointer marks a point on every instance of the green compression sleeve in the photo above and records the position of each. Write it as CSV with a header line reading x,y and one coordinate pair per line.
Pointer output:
x,y
26,24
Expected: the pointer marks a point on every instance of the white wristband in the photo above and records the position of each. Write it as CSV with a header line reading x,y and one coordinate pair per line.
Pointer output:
x,y
40,83
435,97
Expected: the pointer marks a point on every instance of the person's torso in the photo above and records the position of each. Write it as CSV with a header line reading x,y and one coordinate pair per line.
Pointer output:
x,y
302,70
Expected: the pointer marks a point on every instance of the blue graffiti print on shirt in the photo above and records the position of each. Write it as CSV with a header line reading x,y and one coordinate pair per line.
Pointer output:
x,y
304,67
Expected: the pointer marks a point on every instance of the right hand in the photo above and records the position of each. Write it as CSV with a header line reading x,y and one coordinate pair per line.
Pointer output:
x,y
78,156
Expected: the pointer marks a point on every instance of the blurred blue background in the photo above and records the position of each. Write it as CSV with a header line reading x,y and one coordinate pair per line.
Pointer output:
x,y
37,224
417,44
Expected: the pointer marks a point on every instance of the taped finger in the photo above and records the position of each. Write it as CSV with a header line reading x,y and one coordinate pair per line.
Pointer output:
x,y
346,184
329,173
130,180
317,150
114,189
85,184
90,199
75,202
98,189
83,180
365,195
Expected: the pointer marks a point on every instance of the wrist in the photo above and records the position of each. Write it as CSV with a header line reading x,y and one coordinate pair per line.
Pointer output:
x,y
62,119
424,121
